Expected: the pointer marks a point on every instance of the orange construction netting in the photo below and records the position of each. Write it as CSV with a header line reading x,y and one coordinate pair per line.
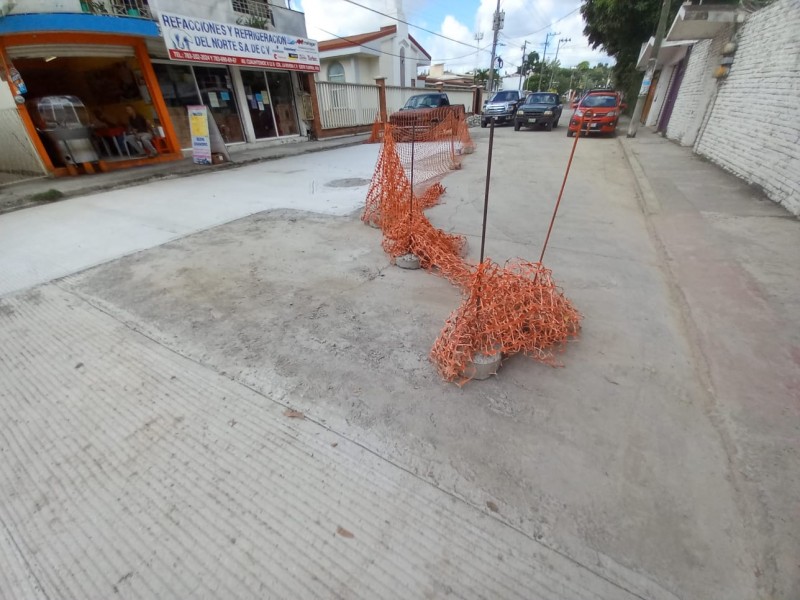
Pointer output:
x,y
512,309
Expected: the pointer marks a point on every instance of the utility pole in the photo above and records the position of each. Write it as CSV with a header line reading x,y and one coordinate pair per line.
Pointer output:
x,y
544,57
522,66
478,38
553,72
497,25
651,68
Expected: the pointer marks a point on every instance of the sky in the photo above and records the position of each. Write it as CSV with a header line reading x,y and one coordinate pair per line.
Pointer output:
x,y
460,20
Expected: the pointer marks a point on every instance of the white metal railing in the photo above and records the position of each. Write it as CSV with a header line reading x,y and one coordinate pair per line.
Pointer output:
x,y
118,8
347,104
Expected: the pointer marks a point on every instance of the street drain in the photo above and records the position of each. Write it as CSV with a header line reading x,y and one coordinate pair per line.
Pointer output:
x,y
348,182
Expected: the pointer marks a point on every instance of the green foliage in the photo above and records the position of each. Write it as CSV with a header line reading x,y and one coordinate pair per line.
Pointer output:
x,y
48,196
254,22
580,77
481,76
620,27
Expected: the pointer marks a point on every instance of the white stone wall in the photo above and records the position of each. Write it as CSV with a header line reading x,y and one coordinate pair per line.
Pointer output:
x,y
18,158
697,90
754,127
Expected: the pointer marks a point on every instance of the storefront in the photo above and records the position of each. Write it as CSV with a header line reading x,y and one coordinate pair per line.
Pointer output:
x,y
252,81
80,79
102,70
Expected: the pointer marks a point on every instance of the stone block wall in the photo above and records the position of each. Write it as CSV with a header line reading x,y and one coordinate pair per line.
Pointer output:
x,y
753,129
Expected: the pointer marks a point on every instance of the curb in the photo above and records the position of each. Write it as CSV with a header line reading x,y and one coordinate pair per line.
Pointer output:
x,y
28,201
648,200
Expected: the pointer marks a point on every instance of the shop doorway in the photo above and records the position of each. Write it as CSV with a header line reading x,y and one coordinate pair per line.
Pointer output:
x,y
270,101
104,86
216,92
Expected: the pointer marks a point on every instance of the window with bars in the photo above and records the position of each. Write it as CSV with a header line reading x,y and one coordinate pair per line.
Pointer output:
x,y
256,9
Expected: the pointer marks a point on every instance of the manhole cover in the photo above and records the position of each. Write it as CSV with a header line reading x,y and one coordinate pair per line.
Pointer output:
x,y
349,182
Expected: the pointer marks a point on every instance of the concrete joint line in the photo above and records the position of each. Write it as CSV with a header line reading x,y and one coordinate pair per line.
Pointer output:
x,y
649,200
599,573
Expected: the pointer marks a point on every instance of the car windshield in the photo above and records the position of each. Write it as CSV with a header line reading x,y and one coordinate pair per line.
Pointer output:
x,y
598,101
423,101
542,99
504,97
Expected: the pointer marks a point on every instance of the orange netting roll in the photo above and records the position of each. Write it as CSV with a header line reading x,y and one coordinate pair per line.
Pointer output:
x,y
511,309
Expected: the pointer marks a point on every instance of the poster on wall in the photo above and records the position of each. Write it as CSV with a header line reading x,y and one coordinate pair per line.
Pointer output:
x,y
201,141
200,40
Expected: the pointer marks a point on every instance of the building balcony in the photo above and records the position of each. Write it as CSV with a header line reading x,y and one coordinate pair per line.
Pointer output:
x,y
124,17
139,9
698,20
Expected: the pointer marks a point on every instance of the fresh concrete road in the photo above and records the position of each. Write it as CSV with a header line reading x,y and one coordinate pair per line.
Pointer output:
x,y
42,243
147,451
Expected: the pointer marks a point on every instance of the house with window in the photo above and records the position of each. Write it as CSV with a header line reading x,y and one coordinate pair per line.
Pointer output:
x,y
249,62
390,52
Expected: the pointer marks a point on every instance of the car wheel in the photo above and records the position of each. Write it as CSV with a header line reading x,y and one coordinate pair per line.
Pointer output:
x,y
483,123
570,133
516,126
555,123
549,126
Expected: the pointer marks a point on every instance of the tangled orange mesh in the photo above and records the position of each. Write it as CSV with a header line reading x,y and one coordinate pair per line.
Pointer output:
x,y
511,309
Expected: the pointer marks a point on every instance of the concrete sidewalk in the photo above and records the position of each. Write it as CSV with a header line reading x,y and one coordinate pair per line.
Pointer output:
x,y
733,256
28,193
53,240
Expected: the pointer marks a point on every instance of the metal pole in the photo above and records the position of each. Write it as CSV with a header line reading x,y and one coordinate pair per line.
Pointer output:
x,y
586,117
478,38
486,193
553,72
411,192
522,66
544,58
496,28
651,68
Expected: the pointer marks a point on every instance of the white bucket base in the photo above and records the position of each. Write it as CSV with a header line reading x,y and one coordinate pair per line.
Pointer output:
x,y
407,261
484,366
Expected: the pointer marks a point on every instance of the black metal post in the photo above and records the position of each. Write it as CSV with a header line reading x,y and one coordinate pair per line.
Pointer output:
x,y
411,193
486,194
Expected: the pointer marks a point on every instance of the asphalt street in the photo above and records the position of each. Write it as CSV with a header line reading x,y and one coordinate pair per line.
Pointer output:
x,y
223,389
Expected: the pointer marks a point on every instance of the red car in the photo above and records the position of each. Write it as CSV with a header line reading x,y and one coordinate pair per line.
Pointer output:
x,y
599,111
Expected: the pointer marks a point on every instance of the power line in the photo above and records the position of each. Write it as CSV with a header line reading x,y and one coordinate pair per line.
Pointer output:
x,y
350,39
410,24
548,26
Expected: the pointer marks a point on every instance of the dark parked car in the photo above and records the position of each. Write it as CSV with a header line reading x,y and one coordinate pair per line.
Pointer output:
x,y
425,110
501,107
540,109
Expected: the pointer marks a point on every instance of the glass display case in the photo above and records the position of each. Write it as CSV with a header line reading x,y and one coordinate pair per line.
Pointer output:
x,y
65,121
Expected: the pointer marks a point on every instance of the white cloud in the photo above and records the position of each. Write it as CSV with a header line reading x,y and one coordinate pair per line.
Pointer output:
x,y
524,20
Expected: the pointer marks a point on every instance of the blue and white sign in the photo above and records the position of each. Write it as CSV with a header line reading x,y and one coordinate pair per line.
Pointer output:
x,y
200,40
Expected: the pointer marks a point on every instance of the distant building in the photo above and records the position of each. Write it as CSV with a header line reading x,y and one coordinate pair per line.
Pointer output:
x,y
438,74
390,52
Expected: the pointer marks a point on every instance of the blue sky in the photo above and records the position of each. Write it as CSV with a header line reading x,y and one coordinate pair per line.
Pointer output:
x,y
460,19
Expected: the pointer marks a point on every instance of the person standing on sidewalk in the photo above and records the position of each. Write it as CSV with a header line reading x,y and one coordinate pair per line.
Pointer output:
x,y
139,132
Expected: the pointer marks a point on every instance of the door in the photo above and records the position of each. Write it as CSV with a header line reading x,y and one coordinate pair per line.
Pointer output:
x,y
216,91
672,95
259,104
282,95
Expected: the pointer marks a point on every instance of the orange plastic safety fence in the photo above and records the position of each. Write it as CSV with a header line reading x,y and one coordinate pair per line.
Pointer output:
x,y
511,309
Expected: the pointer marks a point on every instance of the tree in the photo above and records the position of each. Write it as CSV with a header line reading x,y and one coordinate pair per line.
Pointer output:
x,y
481,76
620,27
